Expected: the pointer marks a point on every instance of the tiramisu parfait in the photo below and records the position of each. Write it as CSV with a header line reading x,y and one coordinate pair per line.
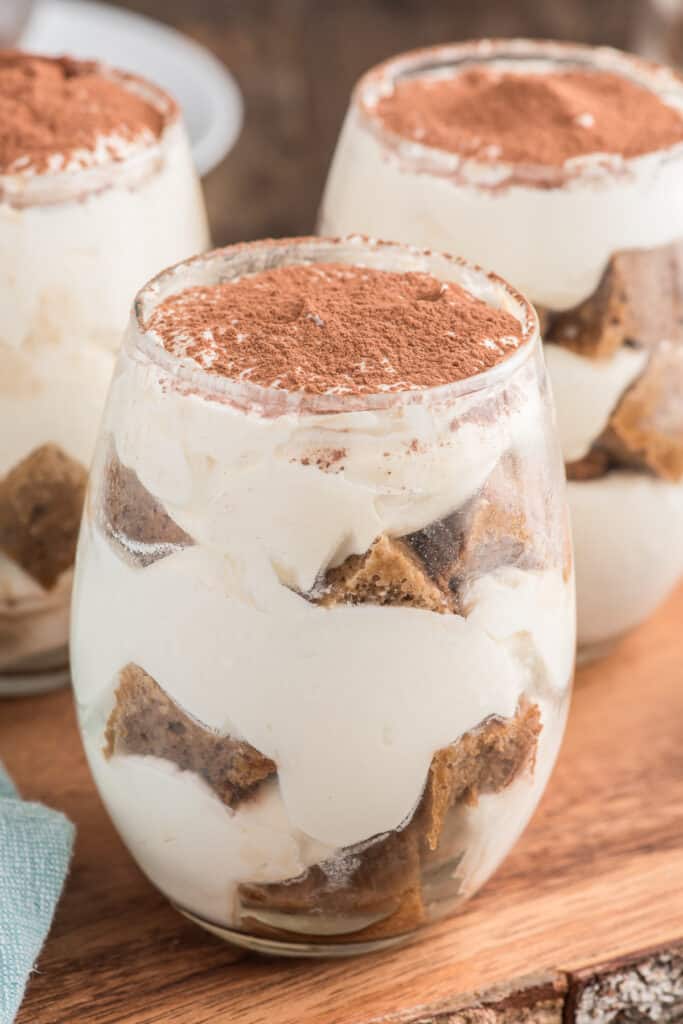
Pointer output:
x,y
561,166
323,622
97,192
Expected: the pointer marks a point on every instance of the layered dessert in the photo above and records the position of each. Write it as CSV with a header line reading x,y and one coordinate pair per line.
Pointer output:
x,y
561,167
97,192
323,620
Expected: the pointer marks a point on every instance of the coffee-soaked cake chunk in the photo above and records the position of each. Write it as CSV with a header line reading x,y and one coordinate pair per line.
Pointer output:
x,y
645,430
134,519
41,500
637,301
388,574
485,760
146,721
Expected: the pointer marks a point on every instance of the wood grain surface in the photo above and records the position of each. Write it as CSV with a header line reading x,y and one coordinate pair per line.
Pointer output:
x,y
596,879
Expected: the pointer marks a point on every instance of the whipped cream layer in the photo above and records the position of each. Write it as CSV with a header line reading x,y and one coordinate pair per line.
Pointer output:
x,y
553,239
628,534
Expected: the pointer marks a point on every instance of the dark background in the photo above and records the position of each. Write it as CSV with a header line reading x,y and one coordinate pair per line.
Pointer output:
x,y
296,61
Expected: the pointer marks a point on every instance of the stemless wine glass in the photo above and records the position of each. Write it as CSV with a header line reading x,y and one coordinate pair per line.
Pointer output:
x,y
76,239
595,243
322,643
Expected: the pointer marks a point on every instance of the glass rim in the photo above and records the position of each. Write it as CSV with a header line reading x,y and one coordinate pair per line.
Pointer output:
x,y
28,188
664,81
231,261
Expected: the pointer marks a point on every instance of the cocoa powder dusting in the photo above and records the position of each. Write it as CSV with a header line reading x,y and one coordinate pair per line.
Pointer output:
x,y
58,108
531,118
336,328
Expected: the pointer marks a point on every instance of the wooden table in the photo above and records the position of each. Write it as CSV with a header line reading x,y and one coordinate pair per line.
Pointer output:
x,y
586,913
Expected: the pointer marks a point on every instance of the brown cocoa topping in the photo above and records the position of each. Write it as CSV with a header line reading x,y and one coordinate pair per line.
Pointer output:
x,y
329,460
146,721
41,500
638,300
56,106
336,328
134,520
531,118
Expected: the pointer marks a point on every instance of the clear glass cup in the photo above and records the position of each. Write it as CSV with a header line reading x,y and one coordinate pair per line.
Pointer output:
x,y
595,245
322,644
74,246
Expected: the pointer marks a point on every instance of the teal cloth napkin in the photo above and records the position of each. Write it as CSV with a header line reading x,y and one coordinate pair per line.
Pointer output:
x,y
35,849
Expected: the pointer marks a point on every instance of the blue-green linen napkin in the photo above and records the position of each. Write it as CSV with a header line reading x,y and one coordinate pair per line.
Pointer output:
x,y
35,848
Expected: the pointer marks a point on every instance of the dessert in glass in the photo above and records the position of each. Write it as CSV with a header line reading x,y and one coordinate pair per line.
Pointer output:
x,y
97,192
560,166
323,626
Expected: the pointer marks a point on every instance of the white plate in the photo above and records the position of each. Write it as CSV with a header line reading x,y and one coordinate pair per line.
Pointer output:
x,y
206,91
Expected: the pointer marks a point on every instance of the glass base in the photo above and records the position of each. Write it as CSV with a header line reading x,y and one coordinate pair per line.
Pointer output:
x,y
23,684
587,653
37,674
279,947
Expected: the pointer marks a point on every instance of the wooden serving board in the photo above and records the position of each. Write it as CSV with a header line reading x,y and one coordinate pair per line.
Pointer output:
x,y
585,918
